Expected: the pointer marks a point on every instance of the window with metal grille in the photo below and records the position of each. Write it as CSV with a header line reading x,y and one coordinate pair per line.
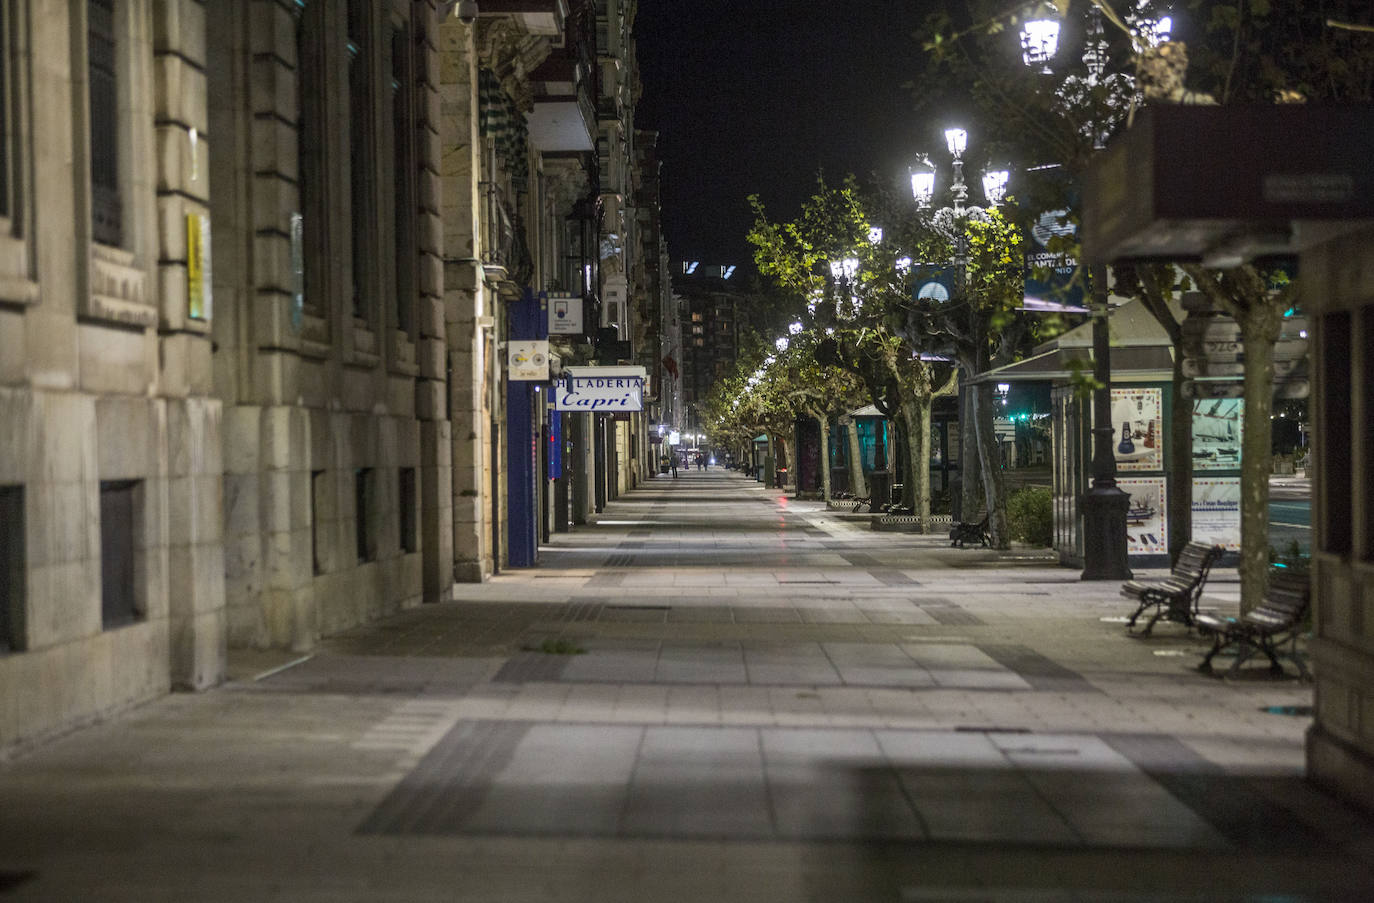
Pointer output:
x,y
403,174
11,569
119,602
5,111
318,520
106,208
360,150
406,510
305,228
362,511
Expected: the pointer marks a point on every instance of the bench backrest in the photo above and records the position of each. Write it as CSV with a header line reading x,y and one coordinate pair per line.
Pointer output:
x,y
1196,560
1288,596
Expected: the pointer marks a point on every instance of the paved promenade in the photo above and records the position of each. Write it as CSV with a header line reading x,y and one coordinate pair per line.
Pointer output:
x,y
713,694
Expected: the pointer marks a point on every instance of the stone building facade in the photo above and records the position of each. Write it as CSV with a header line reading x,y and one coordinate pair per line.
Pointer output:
x,y
255,299
110,457
329,335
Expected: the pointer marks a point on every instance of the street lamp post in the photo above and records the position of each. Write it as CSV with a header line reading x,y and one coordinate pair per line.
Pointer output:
x,y
995,190
844,272
1104,505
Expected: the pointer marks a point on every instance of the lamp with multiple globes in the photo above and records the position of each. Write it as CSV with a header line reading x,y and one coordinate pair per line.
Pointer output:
x,y
1104,505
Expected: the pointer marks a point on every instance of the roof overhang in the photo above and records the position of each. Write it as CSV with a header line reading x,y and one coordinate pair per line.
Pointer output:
x,y
1224,185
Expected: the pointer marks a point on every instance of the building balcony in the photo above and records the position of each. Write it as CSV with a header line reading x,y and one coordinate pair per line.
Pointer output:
x,y
538,17
564,119
505,254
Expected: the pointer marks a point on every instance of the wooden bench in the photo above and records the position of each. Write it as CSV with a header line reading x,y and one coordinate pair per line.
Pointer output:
x,y
1277,620
967,532
1175,597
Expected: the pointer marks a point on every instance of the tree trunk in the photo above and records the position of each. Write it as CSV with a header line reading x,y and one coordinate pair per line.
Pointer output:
x,y
994,492
922,460
794,473
1181,465
969,460
858,485
912,447
1259,331
824,423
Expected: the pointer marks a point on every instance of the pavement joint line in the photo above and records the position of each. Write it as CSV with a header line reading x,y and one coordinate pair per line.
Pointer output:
x,y
272,672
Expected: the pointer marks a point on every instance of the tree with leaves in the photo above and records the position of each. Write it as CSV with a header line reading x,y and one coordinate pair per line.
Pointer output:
x,y
857,310
1247,51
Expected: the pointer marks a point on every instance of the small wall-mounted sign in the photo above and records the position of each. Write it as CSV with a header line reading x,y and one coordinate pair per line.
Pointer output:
x,y
565,314
198,290
528,360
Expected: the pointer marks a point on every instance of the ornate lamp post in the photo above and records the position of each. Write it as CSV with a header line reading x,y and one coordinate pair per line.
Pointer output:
x,y
1104,505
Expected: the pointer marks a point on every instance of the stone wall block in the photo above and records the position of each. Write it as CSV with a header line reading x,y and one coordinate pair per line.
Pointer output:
x,y
431,358
273,89
429,399
174,361
274,151
431,283
12,348
17,440
179,26
179,93
182,166
116,361
126,433
273,31
274,202
429,233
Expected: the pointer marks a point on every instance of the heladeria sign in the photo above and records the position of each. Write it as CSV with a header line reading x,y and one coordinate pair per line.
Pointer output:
x,y
596,390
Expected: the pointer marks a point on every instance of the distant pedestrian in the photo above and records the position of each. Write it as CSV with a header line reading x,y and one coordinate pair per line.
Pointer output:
x,y
673,464
701,461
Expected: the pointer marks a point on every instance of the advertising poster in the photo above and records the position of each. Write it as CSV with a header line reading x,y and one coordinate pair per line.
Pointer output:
x,y
1138,418
1216,433
1216,512
1145,522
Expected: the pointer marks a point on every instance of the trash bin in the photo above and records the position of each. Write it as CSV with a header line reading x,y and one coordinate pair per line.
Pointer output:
x,y
780,481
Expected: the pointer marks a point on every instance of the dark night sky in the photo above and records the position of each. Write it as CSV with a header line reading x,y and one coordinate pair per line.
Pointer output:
x,y
757,96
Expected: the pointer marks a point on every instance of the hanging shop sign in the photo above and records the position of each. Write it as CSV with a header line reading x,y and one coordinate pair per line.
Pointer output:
x,y
565,314
1050,282
598,390
528,359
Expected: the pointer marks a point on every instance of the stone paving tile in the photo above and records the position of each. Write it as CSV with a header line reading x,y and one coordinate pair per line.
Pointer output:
x,y
772,713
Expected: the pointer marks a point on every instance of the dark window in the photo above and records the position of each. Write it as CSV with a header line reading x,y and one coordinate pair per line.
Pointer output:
x,y
106,211
406,510
305,237
1335,443
362,510
118,530
4,112
1366,489
11,568
403,170
317,521
360,150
